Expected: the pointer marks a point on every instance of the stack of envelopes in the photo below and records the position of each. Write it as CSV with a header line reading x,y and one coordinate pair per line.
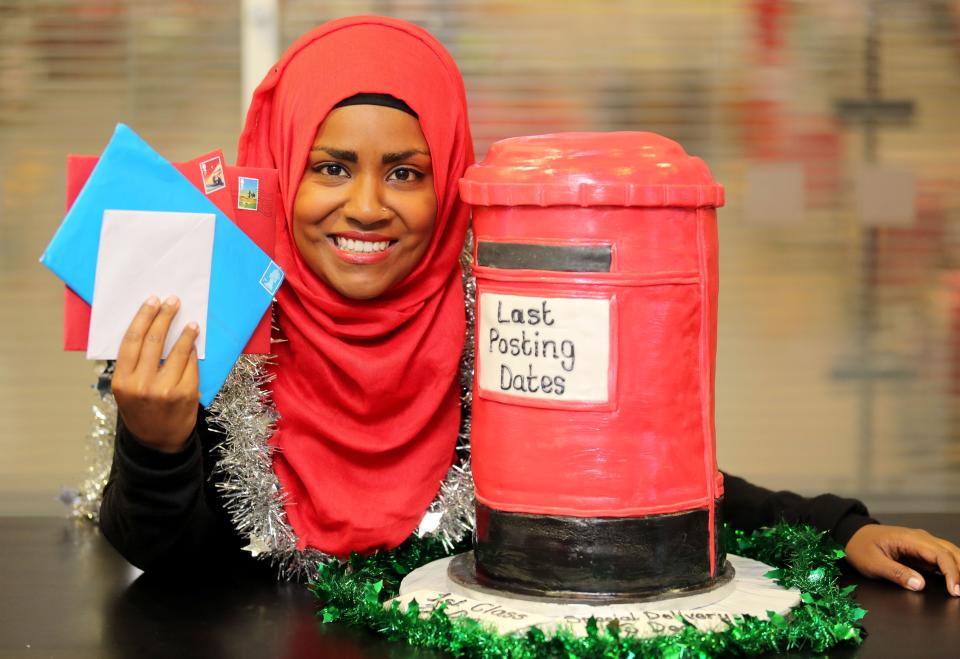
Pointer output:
x,y
139,226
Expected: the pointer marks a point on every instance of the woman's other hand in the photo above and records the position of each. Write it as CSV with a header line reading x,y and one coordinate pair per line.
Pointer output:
x,y
878,550
158,402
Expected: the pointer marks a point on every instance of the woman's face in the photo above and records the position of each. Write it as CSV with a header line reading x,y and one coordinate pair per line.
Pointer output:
x,y
364,212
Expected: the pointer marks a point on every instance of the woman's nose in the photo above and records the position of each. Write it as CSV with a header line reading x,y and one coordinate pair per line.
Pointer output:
x,y
365,204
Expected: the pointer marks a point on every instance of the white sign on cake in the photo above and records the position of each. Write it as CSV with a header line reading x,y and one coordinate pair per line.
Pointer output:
x,y
544,348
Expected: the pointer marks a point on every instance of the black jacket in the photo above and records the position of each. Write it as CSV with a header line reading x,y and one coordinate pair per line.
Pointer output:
x,y
163,511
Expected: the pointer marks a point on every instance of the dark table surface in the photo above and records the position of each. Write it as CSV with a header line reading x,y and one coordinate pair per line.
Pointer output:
x,y
66,593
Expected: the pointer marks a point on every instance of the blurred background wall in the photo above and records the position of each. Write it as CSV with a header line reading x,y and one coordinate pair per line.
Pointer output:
x,y
831,123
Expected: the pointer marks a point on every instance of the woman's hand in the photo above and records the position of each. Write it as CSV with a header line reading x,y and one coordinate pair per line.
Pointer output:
x,y
158,403
877,550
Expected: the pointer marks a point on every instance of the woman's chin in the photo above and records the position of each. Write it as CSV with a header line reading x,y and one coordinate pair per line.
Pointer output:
x,y
360,288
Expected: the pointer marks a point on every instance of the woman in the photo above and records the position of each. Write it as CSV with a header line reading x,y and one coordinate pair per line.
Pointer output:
x,y
366,121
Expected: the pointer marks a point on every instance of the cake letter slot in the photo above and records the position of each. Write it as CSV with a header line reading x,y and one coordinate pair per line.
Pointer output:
x,y
545,348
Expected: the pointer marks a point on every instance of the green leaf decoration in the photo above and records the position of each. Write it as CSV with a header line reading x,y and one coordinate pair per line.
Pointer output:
x,y
592,627
331,614
353,593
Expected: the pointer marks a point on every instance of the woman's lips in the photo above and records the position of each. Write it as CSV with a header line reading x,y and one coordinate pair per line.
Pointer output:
x,y
361,248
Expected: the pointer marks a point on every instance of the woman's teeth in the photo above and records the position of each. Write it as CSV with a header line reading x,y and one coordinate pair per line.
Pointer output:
x,y
360,246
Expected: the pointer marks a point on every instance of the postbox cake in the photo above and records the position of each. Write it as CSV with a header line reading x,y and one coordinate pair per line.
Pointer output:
x,y
594,454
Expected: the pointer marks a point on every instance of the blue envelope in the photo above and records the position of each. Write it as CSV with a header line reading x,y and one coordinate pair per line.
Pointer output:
x,y
132,176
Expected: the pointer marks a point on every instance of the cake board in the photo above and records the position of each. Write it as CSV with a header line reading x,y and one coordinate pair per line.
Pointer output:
x,y
747,593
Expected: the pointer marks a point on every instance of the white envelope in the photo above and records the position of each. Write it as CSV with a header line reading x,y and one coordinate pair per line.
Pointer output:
x,y
144,253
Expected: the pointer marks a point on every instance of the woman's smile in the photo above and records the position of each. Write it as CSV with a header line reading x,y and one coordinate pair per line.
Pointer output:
x,y
358,247
365,209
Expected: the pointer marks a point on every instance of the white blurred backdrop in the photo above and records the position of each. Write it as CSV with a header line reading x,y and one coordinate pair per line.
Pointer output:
x,y
830,122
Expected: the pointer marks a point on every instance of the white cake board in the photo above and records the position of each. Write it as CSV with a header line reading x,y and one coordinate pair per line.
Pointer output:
x,y
749,593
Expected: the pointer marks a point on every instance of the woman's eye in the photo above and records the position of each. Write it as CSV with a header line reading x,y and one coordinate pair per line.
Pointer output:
x,y
405,174
330,169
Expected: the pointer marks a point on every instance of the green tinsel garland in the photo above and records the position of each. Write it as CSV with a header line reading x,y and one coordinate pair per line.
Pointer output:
x,y
354,593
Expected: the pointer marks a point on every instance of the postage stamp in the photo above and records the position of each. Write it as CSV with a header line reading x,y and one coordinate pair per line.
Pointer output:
x,y
271,278
248,193
212,172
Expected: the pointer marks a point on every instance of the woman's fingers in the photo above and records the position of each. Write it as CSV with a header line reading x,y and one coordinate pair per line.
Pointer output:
x,y
173,368
158,403
190,381
129,353
955,552
151,349
887,568
877,551
936,554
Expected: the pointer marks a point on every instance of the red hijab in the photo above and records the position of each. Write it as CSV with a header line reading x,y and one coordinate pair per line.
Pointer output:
x,y
367,391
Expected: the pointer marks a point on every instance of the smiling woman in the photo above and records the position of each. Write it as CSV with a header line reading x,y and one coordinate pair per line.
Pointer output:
x,y
370,321
364,212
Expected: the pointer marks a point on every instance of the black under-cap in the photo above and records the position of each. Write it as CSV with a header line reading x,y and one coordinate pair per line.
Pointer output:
x,y
386,100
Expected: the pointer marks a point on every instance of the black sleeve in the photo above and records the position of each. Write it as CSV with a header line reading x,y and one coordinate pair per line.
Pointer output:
x,y
747,506
162,511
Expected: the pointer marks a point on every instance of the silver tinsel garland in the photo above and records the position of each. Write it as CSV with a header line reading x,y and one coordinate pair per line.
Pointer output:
x,y
84,502
245,415
243,412
453,509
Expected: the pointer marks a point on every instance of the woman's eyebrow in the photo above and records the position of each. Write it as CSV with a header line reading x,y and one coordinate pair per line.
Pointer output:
x,y
402,155
339,154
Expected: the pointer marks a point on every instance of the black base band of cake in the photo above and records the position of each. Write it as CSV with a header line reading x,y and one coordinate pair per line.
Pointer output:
x,y
598,557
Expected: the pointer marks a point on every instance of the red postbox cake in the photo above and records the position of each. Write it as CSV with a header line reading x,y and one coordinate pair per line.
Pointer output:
x,y
593,398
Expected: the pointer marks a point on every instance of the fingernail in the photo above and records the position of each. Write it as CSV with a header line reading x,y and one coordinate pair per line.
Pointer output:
x,y
956,589
194,326
153,301
172,300
914,583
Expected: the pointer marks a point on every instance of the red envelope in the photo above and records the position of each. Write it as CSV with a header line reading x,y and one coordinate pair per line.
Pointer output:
x,y
258,224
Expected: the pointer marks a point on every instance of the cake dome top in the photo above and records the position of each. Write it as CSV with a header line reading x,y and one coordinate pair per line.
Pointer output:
x,y
590,169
